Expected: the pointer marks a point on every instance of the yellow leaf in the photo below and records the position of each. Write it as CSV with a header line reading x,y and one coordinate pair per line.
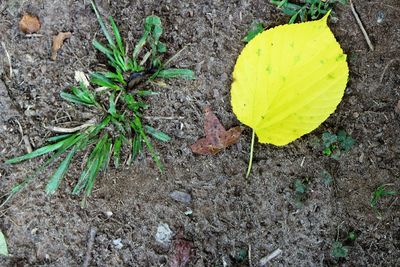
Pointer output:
x,y
288,80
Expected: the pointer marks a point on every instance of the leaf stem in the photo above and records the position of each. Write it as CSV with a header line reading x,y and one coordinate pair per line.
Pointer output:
x,y
251,154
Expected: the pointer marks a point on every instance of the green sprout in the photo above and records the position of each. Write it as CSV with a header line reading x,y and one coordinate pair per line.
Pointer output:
x,y
379,194
339,250
335,144
117,98
300,191
306,9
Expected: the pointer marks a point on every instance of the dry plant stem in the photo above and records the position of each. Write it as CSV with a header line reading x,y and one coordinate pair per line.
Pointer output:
x,y
71,130
386,68
8,58
353,10
251,154
88,256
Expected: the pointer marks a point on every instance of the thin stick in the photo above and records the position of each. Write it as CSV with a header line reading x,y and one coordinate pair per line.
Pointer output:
x,y
174,56
8,58
163,118
251,154
353,10
250,264
386,68
28,145
88,256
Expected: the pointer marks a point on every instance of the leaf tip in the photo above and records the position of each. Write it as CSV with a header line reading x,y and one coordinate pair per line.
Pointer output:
x,y
325,18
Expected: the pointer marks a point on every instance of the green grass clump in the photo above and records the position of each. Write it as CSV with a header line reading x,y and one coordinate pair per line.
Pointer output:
x,y
118,101
306,9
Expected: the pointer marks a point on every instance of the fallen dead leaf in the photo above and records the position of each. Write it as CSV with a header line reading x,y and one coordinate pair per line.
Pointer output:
x,y
29,23
181,251
217,138
57,43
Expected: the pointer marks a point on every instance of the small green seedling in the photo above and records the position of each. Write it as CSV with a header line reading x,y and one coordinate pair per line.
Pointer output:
x,y
377,196
117,99
326,178
300,190
306,9
339,250
241,256
335,144
256,28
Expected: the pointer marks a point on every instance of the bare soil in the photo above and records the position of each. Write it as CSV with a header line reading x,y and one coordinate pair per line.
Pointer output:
x,y
231,215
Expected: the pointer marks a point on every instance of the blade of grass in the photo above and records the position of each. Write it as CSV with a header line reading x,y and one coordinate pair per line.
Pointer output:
x,y
58,137
91,166
41,151
74,99
117,36
112,110
55,180
103,49
101,80
152,151
117,151
102,26
157,134
16,189
136,145
103,155
176,73
139,45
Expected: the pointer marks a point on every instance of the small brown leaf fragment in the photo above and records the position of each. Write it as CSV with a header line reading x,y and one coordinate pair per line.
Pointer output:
x,y
57,43
397,108
217,138
181,251
29,23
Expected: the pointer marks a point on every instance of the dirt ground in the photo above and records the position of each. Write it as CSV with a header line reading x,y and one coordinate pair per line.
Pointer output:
x,y
231,216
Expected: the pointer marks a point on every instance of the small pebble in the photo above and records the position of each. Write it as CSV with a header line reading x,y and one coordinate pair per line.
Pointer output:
x,y
188,212
117,243
108,214
181,196
164,234
380,16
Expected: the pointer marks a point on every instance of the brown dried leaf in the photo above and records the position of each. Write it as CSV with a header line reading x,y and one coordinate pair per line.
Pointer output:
x,y
57,43
217,138
29,23
181,252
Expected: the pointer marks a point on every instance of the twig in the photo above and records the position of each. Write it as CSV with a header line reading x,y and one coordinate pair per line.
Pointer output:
x,y
33,35
88,256
8,58
56,129
386,68
175,56
28,145
163,118
353,10
250,264
24,138
264,261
